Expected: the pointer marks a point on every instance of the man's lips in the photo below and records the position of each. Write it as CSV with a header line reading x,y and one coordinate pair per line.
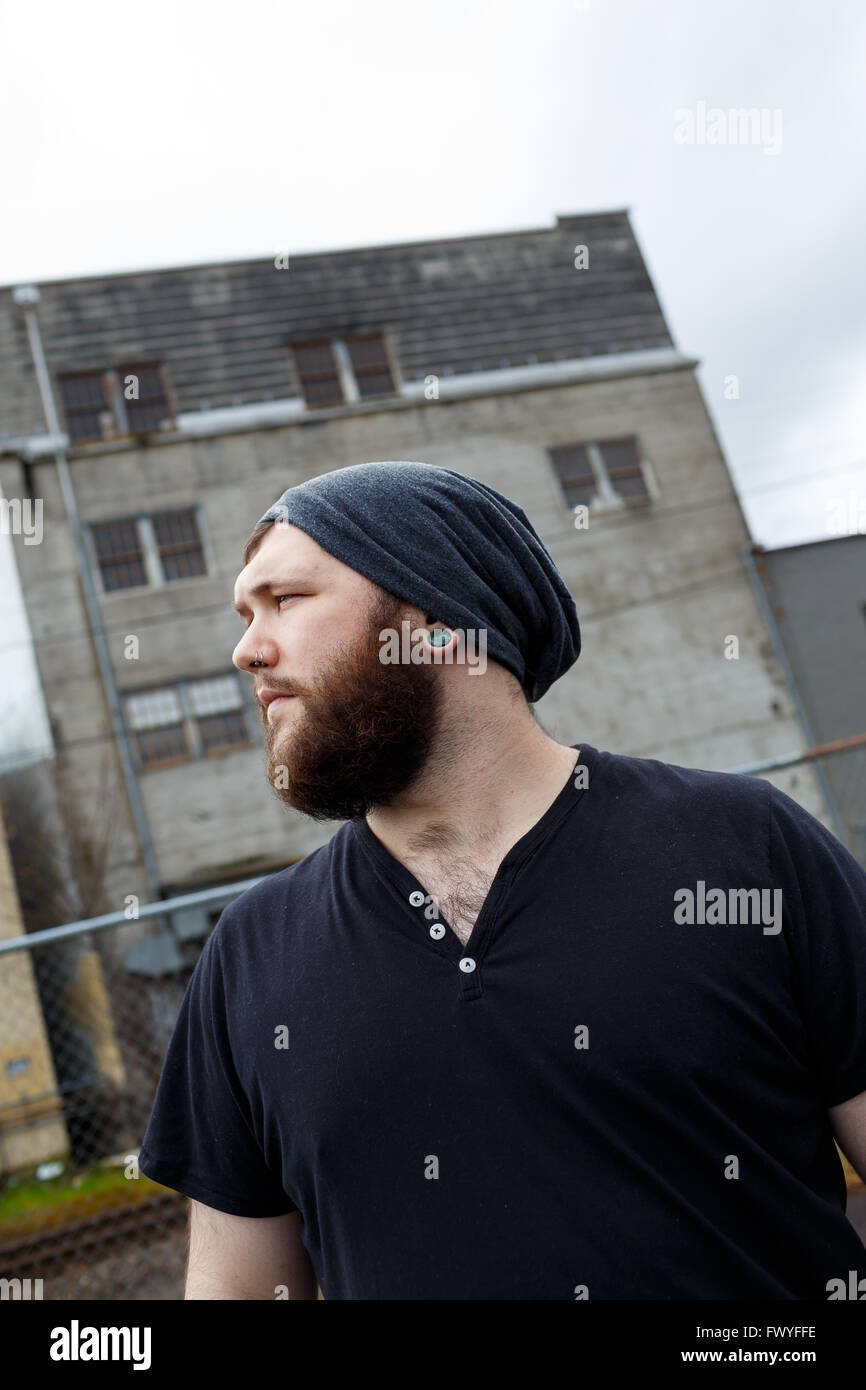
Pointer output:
x,y
280,700
268,697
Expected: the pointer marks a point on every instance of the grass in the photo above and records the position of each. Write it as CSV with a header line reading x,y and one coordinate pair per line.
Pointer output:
x,y
28,1205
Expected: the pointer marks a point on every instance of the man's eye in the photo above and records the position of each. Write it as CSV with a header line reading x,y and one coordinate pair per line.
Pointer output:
x,y
280,597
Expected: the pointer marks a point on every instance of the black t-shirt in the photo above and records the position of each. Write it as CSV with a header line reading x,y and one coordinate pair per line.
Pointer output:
x,y
618,1088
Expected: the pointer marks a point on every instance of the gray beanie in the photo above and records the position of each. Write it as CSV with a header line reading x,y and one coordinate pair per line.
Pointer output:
x,y
451,546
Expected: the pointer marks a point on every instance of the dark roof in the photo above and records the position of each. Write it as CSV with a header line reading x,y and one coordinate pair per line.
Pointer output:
x,y
458,305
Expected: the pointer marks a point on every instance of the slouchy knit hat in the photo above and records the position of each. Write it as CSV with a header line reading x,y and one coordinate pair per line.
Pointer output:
x,y
452,546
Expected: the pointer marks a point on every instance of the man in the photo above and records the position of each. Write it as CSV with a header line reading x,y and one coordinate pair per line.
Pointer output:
x,y
539,1021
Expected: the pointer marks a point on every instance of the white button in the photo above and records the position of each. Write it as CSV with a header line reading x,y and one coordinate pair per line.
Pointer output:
x,y
467,964
416,898
437,931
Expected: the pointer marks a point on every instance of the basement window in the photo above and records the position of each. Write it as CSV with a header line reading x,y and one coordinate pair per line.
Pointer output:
x,y
218,708
186,720
156,722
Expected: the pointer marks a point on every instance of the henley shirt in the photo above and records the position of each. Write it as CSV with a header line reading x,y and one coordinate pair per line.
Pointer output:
x,y
606,1093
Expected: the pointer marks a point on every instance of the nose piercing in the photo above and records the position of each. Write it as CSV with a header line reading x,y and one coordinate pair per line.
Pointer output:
x,y
259,661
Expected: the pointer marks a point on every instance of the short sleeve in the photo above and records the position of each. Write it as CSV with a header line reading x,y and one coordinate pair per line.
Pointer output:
x,y
824,916
200,1138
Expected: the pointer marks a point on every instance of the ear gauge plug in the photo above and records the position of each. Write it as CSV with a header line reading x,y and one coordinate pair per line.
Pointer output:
x,y
439,637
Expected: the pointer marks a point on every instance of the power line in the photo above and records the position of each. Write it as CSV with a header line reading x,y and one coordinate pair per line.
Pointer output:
x,y
805,478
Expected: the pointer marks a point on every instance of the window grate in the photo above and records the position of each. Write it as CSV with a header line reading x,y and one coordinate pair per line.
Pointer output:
x,y
318,373
186,720
161,745
621,458
96,407
86,405
119,554
216,695
603,471
179,544
575,473
152,409
222,730
370,365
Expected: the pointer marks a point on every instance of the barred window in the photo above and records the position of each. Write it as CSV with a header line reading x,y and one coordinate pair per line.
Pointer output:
x,y
86,405
215,694
575,473
370,365
119,554
179,544
155,718
606,472
318,374
96,407
152,408
218,708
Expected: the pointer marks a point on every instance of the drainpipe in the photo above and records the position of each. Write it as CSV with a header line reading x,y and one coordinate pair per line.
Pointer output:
x,y
781,656
27,296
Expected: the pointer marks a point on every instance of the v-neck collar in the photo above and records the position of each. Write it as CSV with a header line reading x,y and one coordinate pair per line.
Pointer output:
x,y
406,884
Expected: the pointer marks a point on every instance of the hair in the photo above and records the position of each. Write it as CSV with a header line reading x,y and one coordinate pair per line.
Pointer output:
x,y
255,539
384,595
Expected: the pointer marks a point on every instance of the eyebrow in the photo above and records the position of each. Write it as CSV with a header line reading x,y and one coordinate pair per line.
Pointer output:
x,y
265,586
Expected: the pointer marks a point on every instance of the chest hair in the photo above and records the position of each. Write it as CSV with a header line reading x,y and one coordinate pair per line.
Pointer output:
x,y
458,883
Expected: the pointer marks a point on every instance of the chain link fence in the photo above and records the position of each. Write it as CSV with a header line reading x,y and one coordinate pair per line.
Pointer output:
x,y
84,1024
86,1012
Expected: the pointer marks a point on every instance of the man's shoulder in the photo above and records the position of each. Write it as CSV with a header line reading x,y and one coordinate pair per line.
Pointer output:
x,y
655,781
271,902
665,812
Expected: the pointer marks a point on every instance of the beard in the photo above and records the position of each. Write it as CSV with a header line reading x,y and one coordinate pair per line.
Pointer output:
x,y
361,735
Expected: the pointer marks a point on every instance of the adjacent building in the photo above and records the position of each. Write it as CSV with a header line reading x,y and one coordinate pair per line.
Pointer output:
x,y
816,596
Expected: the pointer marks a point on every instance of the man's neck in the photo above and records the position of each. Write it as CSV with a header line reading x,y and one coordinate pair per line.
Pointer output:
x,y
487,787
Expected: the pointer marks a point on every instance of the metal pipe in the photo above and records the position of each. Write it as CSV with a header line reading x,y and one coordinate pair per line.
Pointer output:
x,y
823,750
202,897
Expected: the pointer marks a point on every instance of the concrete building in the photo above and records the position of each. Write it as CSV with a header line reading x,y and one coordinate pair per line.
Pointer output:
x,y
537,361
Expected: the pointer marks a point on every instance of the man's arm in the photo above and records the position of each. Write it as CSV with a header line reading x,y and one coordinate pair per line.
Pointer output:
x,y
246,1257
849,1126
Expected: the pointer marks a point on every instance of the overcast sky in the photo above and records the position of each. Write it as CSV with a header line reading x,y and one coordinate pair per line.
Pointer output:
x,y
136,137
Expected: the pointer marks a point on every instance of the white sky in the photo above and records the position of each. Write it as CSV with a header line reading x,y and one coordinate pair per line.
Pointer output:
x,y
182,132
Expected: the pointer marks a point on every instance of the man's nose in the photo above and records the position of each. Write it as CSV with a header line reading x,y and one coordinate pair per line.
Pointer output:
x,y
253,652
